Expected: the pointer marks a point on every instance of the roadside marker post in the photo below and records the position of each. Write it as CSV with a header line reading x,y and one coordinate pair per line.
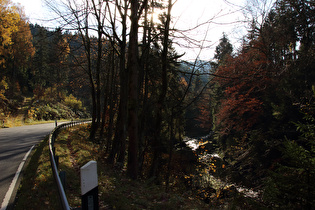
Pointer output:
x,y
89,186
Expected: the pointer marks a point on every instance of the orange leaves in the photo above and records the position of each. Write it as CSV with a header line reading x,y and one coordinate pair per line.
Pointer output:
x,y
239,111
243,79
22,49
183,82
8,25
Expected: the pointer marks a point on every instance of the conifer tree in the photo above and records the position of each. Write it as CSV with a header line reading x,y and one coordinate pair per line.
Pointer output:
x,y
224,49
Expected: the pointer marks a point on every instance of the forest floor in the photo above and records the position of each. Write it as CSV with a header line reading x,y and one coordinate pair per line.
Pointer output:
x,y
116,190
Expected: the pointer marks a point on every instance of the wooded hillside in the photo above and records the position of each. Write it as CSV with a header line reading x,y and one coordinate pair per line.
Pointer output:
x,y
118,66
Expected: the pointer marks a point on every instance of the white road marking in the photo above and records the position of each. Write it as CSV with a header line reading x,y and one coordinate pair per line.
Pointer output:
x,y
8,195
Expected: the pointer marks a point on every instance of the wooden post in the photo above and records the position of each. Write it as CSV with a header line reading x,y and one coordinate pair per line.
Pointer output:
x,y
89,186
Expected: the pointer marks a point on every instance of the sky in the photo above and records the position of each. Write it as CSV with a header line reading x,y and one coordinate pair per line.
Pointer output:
x,y
220,16
34,9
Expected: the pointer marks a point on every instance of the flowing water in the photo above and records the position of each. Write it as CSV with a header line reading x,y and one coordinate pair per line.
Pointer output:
x,y
211,163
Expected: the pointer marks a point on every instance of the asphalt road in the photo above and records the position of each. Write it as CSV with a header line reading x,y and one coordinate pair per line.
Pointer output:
x,y
14,144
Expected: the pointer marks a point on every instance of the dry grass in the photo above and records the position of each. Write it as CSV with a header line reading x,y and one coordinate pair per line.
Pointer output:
x,y
10,121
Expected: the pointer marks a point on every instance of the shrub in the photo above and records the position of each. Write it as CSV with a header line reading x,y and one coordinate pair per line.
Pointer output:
x,y
292,184
73,102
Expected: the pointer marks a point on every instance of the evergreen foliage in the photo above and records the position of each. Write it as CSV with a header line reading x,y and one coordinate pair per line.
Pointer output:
x,y
224,49
291,184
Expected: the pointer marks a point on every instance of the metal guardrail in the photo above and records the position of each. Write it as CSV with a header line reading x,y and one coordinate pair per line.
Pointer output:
x,y
52,155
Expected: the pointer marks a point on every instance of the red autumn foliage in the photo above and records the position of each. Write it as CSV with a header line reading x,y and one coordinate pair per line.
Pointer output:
x,y
244,79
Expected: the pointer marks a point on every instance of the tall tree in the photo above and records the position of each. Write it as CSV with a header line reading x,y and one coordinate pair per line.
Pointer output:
x,y
22,52
40,63
16,51
133,66
157,146
9,24
9,19
79,17
58,59
119,144
224,49
223,53
247,78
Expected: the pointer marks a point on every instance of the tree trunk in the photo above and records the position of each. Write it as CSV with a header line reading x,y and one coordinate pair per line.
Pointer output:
x,y
119,142
157,144
112,98
93,93
98,80
133,68
171,145
143,84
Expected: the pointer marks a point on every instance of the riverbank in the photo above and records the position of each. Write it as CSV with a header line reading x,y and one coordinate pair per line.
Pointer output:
x,y
212,176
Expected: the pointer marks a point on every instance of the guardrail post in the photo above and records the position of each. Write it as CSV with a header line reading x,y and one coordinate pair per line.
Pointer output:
x,y
57,160
89,186
62,175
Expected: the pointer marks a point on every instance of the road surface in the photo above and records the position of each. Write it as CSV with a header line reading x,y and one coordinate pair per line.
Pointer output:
x,y
14,145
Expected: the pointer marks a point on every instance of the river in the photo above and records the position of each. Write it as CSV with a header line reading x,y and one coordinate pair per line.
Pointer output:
x,y
212,163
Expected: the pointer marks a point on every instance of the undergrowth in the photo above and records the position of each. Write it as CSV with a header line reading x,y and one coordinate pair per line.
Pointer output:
x,y
116,190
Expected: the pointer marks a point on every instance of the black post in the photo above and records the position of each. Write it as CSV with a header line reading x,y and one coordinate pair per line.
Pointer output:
x,y
90,200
